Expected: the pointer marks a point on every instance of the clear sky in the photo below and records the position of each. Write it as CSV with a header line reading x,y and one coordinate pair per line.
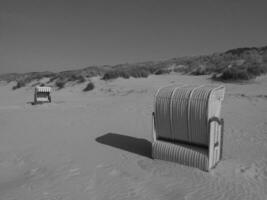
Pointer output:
x,y
54,35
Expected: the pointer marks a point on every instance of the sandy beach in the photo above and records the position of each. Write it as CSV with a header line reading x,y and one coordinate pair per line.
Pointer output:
x,y
96,144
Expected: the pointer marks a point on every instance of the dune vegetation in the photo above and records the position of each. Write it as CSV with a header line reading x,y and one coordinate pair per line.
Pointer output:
x,y
89,86
241,64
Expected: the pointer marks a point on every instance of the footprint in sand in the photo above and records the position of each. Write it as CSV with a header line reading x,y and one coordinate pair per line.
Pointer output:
x,y
114,172
73,172
254,171
89,186
47,196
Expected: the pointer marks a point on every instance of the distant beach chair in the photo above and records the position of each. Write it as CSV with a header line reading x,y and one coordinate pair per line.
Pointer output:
x,y
42,94
187,127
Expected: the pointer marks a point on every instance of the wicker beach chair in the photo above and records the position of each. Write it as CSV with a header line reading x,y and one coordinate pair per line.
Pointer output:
x,y
42,94
187,127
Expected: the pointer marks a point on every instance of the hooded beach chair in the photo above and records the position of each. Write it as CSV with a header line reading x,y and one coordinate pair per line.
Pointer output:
x,y
187,127
42,94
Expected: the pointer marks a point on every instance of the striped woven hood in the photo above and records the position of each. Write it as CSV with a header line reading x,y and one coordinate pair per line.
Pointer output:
x,y
182,112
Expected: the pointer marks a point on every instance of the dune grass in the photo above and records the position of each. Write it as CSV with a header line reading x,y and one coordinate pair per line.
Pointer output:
x,y
90,86
241,73
233,65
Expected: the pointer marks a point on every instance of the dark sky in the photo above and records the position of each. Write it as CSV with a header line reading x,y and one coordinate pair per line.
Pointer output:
x,y
38,35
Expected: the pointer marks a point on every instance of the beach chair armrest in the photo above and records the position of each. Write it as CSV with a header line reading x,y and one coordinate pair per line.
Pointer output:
x,y
154,137
216,119
220,121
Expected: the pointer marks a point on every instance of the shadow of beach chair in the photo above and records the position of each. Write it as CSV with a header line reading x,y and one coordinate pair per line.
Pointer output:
x,y
187,127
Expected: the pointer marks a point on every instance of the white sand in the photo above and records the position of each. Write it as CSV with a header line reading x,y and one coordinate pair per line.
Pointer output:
x,y
95,145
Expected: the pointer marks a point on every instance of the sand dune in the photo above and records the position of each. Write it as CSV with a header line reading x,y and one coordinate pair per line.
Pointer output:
x,y
96,145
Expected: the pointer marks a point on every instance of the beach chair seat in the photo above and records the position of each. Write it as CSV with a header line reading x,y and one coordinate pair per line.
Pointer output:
x,y
181,153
